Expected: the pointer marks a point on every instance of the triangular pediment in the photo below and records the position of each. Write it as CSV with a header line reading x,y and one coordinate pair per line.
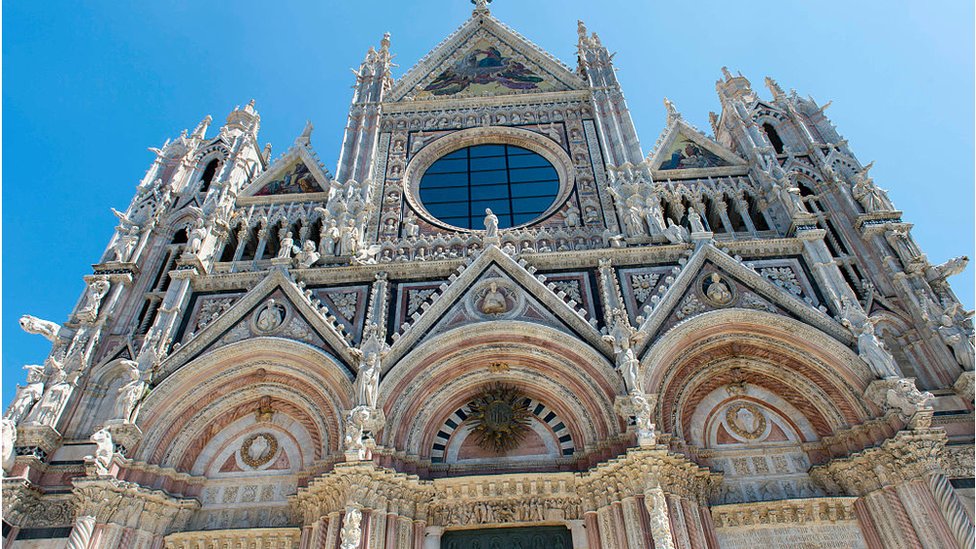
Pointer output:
x,y
494,287
296,172
484,58
683,151
695,291
276,307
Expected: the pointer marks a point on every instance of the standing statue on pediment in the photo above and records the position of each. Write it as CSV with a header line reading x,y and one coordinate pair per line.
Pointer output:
x,y
287,243
131,393
349,239
27,395
97,288
196,236
957,340
871,197
653,215
491,224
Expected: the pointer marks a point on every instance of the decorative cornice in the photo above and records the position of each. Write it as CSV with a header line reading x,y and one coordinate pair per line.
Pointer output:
x,y
789,512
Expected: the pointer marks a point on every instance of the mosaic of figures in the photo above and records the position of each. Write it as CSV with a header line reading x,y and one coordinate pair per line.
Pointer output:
x,y
296,179
484,70
685,153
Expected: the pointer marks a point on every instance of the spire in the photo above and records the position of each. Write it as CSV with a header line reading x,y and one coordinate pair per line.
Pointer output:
x,y
734,86
385,43
480,7
201,129
246,119
775,89
306,137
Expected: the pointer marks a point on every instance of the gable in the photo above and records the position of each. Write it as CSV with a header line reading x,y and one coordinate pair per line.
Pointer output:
x,y
484,58
684,150
486,67
495,296
275,307
296,172
692,291
295,179
468,297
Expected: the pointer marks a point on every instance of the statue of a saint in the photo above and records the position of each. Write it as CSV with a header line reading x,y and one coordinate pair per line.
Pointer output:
x,y
629,368
287,243
695,221
97,289
196,236
131,393
28,395
491,224
368,380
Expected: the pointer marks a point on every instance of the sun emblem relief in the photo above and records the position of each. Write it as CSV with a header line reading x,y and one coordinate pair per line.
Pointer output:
x,y
258,449
499,418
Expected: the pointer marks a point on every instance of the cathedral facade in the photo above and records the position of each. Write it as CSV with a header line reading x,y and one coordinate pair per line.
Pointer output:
x,y
501,324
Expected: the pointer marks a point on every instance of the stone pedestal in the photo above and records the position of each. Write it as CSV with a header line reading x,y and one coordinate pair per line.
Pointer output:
x,y
125,435
39,440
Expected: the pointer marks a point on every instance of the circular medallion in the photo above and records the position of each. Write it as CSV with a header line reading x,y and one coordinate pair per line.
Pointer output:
x,y
745,421
269,317
258,449
717,290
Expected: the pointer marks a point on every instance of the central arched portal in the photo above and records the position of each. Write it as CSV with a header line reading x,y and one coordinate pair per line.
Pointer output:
x,y
533,537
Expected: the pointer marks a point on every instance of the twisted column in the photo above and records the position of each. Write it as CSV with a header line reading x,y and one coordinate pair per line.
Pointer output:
x,y
952,509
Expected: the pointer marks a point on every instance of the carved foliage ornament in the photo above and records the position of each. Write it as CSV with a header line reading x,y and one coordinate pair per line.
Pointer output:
x,y
258,449
499,417
745,420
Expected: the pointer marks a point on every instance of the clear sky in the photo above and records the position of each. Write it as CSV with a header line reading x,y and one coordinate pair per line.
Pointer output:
x,y
88,86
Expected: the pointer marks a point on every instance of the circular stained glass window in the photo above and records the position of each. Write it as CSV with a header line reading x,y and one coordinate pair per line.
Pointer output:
x,y
517,184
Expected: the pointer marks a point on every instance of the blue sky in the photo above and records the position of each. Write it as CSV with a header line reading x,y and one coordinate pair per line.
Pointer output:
x,y
88,86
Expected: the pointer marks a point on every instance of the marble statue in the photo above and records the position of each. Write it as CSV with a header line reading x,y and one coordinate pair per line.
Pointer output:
x,y
717,291
28,395
33,325
96,291
629,368
307,256
287,243
104,450
8,441
195,237
351,534
676,234
871,197
955,338
410,227
368,380
491,224
695,221
131,393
